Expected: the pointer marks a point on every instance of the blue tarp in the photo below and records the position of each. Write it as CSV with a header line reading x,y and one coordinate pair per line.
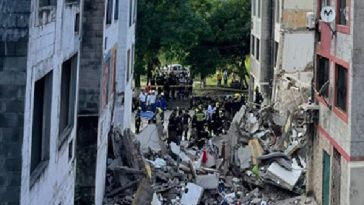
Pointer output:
x,y
148,115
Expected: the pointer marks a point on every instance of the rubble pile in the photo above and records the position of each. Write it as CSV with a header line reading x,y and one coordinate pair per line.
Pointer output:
x,y
261,160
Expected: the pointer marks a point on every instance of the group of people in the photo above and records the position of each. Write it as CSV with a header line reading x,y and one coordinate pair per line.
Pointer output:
x,y
149,100
211,117
175,86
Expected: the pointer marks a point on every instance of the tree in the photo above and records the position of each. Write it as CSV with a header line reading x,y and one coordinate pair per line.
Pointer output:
x,y
230,22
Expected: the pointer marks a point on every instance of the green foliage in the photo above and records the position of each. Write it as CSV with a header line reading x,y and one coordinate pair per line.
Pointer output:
x,y
205,34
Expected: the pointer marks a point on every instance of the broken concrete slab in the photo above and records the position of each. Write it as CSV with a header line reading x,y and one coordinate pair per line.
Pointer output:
x,y
176,149
294,146
244,156
149,139
256,150
192,194
155,200
282,177
210,181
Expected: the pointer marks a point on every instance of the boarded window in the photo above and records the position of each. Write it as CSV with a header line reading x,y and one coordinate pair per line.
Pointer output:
x,y
68,98
257,55
343,12
322,73
109,11
41,121
341,88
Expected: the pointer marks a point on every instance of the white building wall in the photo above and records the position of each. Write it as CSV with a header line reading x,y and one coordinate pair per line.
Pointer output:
x,y
49,46
120,36
296,56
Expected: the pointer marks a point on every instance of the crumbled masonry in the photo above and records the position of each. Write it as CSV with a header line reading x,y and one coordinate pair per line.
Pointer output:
x,y
258,161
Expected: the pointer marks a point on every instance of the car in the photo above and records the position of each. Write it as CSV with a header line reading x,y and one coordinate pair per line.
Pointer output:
x,y
178,69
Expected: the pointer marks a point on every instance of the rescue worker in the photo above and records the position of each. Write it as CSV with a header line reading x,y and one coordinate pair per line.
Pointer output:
x,y
258,98
159,116
138,120
172,129
200,119
186,119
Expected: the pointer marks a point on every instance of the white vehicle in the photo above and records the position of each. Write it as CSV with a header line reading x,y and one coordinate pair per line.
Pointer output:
x,y
177,69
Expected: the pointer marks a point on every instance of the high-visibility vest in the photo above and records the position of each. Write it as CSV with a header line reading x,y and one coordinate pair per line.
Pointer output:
x,y
200,116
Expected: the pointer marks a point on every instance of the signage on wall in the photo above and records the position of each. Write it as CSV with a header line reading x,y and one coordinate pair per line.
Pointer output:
x,y
328,14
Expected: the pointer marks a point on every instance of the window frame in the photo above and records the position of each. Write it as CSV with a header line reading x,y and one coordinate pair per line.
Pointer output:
x,y
131,15
46,92
64,132
318,69
342,114
109,12
252,50
257,49
259,6
340,27
116,10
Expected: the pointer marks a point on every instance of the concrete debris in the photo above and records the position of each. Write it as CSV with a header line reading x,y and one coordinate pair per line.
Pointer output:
x,y
192,194
209,181
282,177
244,156
260,160
149,139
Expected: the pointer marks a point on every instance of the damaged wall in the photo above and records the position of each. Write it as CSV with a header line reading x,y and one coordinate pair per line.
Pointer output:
x,y
14,18
117,75
53,41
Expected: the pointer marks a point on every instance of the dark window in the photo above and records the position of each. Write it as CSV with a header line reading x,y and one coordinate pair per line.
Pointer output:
x,y
343,13
322,72
41,121
258,7
130,12
43,3
258,50
109,11
132,59
70,150
77,23
116,12
276,46
341,87
128,66
253,7
253,46
68,98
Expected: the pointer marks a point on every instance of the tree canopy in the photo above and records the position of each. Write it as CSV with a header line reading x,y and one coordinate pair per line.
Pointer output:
x,y
204,34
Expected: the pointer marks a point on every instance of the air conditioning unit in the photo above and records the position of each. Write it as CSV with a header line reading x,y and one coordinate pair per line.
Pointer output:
x,y
311,20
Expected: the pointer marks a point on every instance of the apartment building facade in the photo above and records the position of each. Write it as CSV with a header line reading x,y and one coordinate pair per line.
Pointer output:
x,y
14,35
116,80
48,159
338,159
